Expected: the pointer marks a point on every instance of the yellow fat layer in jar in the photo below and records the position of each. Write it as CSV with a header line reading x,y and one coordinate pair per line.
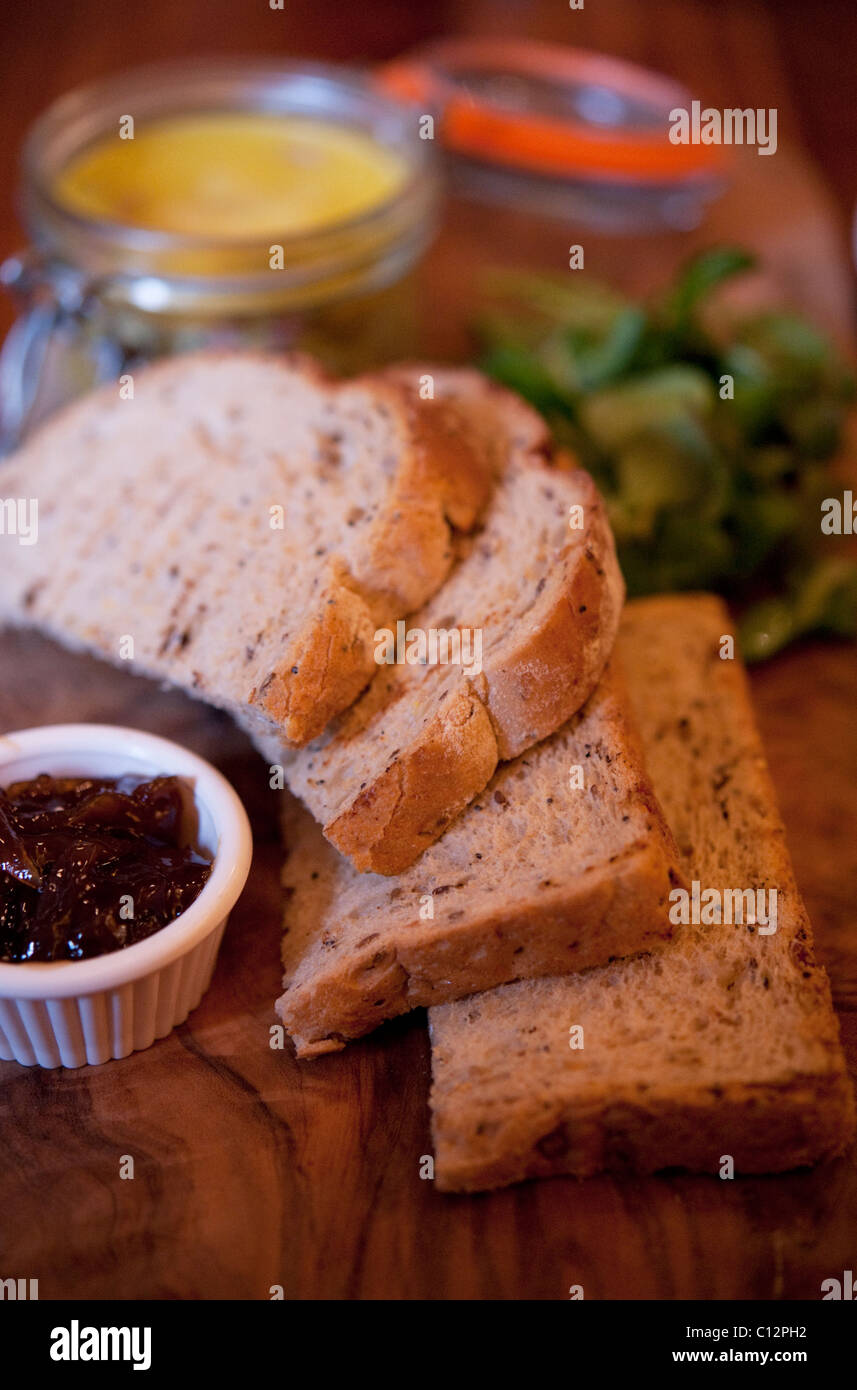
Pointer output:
x,y
238,175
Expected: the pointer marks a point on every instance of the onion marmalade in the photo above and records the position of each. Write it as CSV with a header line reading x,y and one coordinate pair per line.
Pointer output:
x,y
90,865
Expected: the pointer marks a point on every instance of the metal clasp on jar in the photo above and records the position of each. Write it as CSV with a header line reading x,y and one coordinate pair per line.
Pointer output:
x,y
55,301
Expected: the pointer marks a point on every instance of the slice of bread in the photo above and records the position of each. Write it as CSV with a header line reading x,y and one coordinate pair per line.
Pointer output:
x,y
540,588
564,862
248,523
725,1042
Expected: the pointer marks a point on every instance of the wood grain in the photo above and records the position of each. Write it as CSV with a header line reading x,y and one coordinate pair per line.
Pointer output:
x,y
253,1170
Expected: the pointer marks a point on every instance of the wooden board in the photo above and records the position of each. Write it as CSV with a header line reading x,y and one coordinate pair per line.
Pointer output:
x,y
253,1170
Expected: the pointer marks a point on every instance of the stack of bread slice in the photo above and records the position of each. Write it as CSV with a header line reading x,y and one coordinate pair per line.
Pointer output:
x,y
501,838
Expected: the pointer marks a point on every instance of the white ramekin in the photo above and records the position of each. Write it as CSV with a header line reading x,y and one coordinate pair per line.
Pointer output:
x,y
70,1013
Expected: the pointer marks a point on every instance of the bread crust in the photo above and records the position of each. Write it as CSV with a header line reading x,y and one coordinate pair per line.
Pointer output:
x,y
441,485
410,805
765,1129
555,662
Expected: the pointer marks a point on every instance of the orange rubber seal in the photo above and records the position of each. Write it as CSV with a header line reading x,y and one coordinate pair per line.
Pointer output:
x,y
544,144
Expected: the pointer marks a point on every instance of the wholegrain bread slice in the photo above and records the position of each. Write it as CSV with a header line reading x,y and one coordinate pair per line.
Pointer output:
x,y
724,1043
563,862
538,585
241,525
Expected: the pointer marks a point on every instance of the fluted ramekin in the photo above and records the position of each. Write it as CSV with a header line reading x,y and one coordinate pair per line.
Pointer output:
x,y
74,1013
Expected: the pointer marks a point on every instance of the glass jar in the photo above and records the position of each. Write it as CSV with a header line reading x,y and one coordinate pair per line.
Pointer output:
x,y
98,297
